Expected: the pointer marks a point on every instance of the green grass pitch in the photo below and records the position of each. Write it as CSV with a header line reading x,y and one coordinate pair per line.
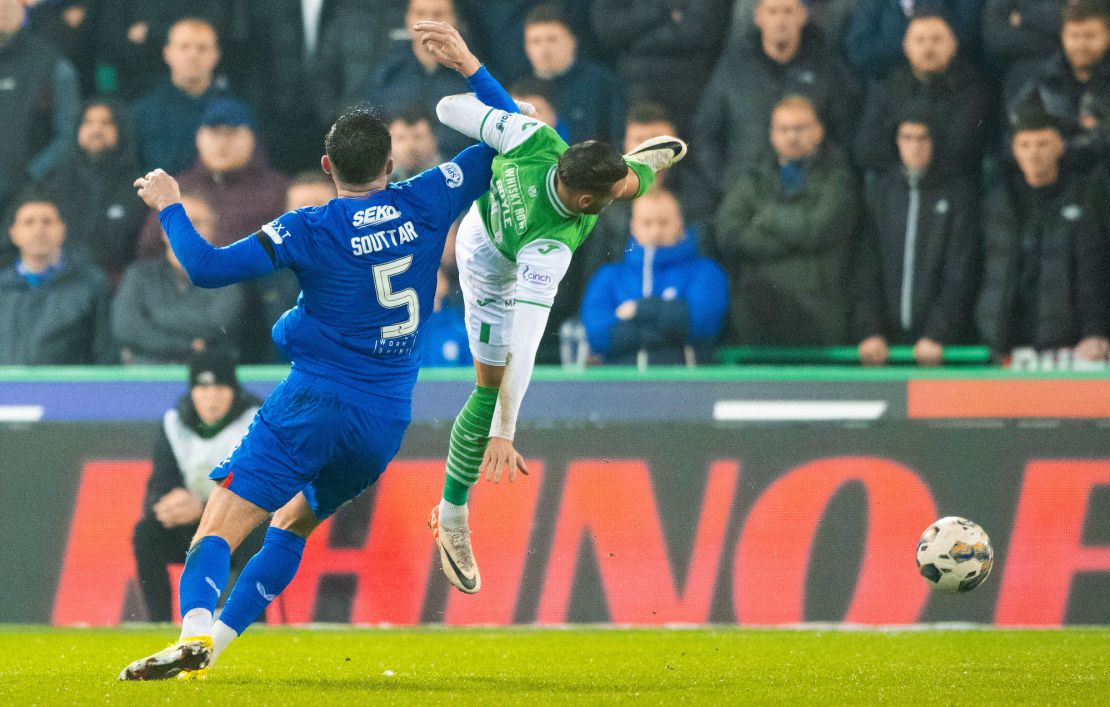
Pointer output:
x,y
576,666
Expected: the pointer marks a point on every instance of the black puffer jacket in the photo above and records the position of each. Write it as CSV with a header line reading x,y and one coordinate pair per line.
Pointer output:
x,y
1072,290
1066,98
957,108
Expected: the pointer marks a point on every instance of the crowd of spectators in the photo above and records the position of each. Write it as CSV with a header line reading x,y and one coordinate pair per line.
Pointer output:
x,y
863,173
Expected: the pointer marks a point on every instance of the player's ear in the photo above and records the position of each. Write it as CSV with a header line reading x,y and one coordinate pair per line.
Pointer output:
x,y
388,166
325,164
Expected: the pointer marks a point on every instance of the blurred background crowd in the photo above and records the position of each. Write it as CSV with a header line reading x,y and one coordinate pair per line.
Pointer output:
x,y
863,173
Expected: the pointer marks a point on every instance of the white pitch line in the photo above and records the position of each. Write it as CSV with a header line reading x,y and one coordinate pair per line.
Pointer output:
x,y
21,413
798,410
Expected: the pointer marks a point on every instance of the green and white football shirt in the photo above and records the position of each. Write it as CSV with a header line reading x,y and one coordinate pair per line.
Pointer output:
x,y
522,205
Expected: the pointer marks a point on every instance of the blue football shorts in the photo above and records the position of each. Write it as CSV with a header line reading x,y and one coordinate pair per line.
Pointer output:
x,y
317,436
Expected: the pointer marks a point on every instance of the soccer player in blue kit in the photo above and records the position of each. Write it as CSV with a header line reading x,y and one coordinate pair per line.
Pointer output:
x,y
367,264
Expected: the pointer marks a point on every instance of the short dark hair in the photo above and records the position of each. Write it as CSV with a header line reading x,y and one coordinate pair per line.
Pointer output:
x,y
532,86
592,167
413,115
547,12
648,112
358,144
1083,10
32,194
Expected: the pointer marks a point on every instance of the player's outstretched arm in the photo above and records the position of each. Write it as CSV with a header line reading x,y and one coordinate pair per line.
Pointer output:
x,y
206,265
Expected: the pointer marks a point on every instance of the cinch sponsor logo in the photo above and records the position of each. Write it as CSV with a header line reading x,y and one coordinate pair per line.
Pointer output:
x,y
534,276
453,174
374,215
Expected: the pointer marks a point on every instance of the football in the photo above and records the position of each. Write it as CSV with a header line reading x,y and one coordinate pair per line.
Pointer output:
x,y
954,555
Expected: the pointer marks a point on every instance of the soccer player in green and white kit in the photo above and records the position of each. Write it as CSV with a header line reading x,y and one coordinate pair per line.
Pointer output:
x,y
513,248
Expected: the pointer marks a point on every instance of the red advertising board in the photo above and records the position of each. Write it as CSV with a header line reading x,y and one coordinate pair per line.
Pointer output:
x,y
663,525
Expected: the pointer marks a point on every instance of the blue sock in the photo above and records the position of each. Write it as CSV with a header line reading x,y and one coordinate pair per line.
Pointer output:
x,y
266,575
206,568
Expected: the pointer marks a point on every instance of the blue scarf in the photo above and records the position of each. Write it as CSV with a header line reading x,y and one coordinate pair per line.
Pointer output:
x,y
34,279
792,176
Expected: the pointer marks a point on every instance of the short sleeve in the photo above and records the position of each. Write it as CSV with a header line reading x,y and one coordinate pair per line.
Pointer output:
x,y
509,132
288,241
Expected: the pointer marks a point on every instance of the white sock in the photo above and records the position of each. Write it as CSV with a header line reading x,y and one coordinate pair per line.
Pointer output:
x,y
196,622
222,635
452,516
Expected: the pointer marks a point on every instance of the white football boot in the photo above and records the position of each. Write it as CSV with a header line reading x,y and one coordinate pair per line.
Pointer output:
x,y
659,153
188,655
455,556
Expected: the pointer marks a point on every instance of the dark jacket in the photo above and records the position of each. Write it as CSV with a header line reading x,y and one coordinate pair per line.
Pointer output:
x,y
140,67
285,85
832,17
243,201
734,117
680,298
357,36
497,32
589,99
878,26
157,314
1065,98
1036,36
98,203
1045,292
666,49
183,423
957,108
166,122
40,106
401,82
61,321
788,255
943,263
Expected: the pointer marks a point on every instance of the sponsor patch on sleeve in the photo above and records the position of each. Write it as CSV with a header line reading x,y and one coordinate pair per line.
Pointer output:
x,y
276,231
453,174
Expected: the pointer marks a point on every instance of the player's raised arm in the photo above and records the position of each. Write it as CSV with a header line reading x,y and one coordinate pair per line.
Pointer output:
x,y
206,265
448,47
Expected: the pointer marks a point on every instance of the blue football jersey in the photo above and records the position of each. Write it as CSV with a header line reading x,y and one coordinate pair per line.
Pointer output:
x,y
367,271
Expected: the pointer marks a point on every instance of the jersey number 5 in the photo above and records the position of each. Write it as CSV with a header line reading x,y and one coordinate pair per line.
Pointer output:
x,y
402,298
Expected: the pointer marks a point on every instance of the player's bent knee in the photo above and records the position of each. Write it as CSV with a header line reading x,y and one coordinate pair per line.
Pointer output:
x,y
296,517
489,376
229,516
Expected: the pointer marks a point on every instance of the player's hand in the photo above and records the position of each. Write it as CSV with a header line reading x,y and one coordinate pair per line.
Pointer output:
x,y
928,352
158,189
626,311
500,457
525,108
873,351
178,507
1093,348
444,42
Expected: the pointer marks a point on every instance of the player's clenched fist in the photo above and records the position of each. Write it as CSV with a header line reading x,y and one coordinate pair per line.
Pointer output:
x,y
447,46
158,189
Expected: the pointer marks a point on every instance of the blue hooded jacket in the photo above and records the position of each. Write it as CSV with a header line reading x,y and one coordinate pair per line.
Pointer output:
x,y
443,341
681,299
